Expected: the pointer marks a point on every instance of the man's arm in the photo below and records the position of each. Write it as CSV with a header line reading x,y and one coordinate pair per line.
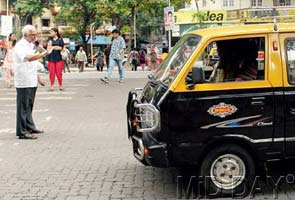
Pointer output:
x,y
37,56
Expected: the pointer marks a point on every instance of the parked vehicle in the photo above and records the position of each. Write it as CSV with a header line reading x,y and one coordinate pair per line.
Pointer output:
x,y
227,120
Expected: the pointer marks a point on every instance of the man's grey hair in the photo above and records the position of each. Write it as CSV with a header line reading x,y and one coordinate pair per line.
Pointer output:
x,y
28,29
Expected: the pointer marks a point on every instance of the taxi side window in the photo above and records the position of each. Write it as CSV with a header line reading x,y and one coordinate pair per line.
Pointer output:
x,y
234,60
290,52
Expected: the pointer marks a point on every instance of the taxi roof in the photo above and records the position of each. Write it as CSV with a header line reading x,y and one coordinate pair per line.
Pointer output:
x,y
244,29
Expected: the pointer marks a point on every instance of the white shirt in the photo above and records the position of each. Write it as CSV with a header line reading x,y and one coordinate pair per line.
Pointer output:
x,y
25,72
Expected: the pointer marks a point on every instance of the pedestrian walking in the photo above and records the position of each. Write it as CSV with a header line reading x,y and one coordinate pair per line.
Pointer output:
x,y
25,81
99,59
164,55
142,58
81,58
153,59
116,57
107,52
55,62
133,59
65,55
7,69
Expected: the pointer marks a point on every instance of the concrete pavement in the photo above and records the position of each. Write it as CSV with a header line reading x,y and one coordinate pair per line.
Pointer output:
x,y
84,153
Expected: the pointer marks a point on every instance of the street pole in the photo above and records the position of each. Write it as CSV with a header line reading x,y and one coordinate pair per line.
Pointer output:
x,y
7,7
91,44
169,32
134,27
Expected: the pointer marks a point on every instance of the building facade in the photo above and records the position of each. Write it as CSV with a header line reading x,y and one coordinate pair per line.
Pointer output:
x,y
208,13
240,4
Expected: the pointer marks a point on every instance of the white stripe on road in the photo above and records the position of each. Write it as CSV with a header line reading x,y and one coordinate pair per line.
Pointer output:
x,y
79,85
35,111
7,130
48,118
54,98
46,93
38,98
7,98
40,110
9,105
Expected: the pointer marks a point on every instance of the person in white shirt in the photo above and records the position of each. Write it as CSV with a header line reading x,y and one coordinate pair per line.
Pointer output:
x,y
25,63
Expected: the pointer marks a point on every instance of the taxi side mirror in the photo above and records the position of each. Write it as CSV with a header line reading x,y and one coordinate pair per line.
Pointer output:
x,y
196,76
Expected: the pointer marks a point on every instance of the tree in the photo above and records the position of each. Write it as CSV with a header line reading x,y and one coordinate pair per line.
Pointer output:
x,y
25,10
80,14
118,10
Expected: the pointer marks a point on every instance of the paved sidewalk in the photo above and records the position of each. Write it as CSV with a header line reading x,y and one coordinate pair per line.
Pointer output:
x,y
84,153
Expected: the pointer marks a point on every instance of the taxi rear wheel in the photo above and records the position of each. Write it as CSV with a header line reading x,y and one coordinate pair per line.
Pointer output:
x,y
227,171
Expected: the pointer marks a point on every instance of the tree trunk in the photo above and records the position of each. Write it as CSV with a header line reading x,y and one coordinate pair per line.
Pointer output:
x,y
197,5
116,21
131,36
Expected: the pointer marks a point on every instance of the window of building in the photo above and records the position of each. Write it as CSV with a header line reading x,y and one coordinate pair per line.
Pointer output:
x,y
228,3
225,61
231,3
61,22
46,22
204,3
285,3
256,3
281,2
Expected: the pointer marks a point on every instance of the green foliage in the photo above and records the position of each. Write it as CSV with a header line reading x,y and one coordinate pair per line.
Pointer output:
x,y
81,14
199,16
125,29
26,9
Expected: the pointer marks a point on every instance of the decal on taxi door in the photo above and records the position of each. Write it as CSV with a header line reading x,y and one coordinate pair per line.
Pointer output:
x,y
222,110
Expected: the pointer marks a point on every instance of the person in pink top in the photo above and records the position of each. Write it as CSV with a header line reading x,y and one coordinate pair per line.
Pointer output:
x,y
7,65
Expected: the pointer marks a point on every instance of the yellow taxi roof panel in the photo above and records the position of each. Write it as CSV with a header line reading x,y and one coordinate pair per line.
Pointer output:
x,y
244,29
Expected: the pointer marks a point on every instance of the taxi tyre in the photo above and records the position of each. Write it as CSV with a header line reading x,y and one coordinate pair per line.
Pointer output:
x,y
227,153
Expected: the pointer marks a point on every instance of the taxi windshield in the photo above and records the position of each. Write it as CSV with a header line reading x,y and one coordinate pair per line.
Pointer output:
x,y
176,59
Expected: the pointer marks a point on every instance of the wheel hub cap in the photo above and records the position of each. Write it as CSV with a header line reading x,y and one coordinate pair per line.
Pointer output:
x,y
228,171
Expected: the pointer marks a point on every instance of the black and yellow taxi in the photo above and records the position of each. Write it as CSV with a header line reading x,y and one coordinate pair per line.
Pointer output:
x,y
226,119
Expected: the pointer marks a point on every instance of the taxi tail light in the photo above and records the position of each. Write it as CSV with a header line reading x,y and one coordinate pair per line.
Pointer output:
x,y
149,118
275,46
146,151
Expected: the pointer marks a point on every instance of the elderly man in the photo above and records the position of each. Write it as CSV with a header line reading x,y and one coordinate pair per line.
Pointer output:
x,y
25,80
81,58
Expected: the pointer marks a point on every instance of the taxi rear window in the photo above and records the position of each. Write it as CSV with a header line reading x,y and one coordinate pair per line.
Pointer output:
x,y
290,52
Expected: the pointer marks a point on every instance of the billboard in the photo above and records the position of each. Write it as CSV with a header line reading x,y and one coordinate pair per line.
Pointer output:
x,y
191,17
6,25
169,18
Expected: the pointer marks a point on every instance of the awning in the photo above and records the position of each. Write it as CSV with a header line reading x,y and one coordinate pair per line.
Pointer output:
x,y
99,40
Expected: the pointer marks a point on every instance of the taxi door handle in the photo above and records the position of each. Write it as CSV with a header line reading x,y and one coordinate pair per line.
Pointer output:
x,y
292,111
257,103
